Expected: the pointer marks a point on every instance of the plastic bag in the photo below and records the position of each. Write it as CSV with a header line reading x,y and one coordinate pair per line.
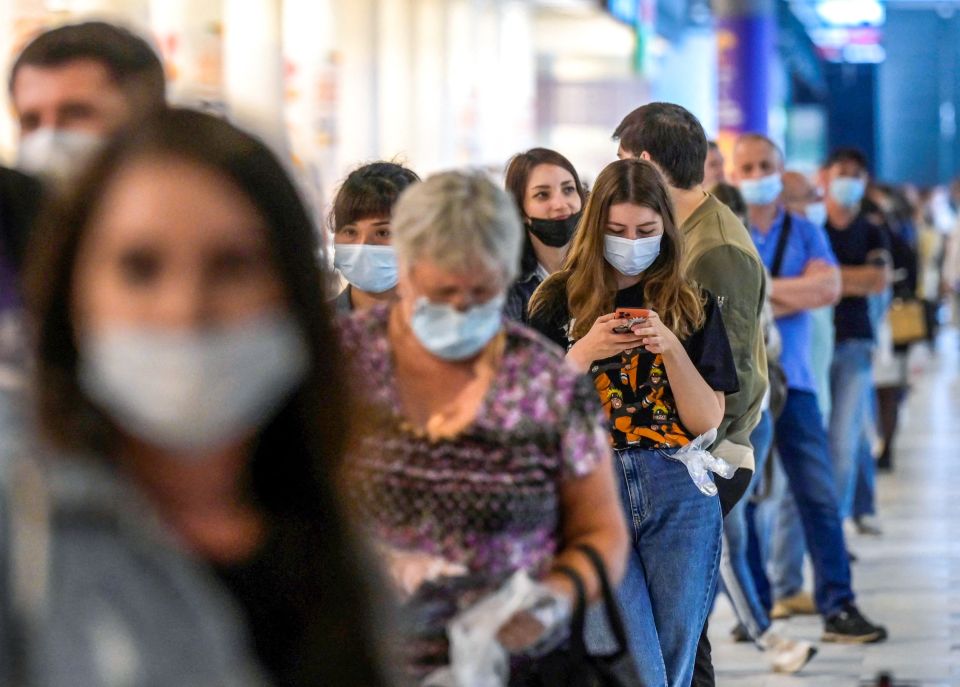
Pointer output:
x,y
477,659
699,461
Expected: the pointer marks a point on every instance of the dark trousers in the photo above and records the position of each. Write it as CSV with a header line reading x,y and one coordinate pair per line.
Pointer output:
x,y
730,492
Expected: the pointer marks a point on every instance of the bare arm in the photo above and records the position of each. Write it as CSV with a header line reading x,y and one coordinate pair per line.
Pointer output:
x,y
699,406
819,285
868,279
591,515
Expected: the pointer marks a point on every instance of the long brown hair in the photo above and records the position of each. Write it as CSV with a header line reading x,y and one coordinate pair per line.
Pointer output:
x,y
589,281
294,467
517,178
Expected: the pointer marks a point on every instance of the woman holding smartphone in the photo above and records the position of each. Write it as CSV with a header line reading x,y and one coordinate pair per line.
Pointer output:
x,y
661,380
550,197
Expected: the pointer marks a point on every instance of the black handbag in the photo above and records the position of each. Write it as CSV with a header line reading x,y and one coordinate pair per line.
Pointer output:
x,y
571,665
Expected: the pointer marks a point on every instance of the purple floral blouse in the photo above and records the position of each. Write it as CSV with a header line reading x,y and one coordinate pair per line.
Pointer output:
x,y
486,500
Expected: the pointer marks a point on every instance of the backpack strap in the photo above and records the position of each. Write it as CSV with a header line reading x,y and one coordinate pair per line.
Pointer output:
x,y
781,245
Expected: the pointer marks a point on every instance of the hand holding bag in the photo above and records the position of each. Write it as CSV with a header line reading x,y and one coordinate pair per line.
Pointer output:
x,y
571,665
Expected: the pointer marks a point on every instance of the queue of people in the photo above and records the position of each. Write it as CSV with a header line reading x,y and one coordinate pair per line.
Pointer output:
x,y
226,470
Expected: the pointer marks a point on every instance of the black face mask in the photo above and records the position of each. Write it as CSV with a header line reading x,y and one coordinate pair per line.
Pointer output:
x,y
555,233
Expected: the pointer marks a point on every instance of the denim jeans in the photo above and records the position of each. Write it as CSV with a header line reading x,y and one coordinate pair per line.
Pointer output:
x,y
672,567
735,574
787,543
804,453
851,381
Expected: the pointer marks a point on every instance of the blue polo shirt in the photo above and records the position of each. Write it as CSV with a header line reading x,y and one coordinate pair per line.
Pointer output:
x,y
806,242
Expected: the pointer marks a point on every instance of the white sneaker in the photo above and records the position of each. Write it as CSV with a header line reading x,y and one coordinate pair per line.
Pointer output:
x,y
868,525
786,655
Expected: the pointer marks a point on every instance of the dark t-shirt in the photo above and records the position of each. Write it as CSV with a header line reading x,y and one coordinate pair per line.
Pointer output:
x,y
852,245
633,386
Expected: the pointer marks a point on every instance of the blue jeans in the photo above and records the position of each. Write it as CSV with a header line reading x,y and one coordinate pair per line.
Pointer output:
x,y
804,453
672,566
787,545
851,381
735,573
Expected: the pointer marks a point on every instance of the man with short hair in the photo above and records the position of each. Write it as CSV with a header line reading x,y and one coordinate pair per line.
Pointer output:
x,y
863,250
73,86
722,258
804,276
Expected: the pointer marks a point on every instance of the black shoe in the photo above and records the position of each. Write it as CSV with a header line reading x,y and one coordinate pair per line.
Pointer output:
x,y
848,626
740,634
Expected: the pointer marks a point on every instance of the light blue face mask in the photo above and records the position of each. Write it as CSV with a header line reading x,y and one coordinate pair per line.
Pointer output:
x,y
817,213
848,191
454,335
631,256
762,191
369,268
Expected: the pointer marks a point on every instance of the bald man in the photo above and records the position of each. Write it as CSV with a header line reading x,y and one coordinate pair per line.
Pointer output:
x,y
805,276
801,197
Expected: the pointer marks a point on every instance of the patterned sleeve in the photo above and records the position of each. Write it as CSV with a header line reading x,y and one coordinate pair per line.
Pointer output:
x,y
586,439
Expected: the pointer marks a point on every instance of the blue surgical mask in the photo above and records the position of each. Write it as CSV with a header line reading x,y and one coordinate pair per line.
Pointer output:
x,y
848,191
369,268
451,334
816,213
762,191
631,256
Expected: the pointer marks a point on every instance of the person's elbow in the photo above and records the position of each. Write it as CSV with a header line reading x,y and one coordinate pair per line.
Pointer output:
x,y
880,280
831,288
708,418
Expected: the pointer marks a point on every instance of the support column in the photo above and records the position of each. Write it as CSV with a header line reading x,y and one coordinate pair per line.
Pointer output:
x,y
253,69
746,33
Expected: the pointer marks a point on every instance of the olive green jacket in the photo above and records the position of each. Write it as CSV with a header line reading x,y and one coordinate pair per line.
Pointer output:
x,y
721,257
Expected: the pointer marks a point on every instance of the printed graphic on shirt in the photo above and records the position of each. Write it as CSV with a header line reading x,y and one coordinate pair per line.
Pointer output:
x,y
636,397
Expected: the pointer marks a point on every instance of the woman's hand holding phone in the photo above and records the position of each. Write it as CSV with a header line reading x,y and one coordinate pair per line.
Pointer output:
x,y
602,341
655,336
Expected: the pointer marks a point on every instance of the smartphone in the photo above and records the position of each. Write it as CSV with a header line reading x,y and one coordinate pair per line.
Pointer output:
x,y
631,317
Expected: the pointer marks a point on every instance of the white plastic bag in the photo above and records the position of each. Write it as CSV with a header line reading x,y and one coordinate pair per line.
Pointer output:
x,y
477,659
699,461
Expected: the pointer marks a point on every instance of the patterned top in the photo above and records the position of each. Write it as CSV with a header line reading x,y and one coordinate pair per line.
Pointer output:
x,y
486,500
634,386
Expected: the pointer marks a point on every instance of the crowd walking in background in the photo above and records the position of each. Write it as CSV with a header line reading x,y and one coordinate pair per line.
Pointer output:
x,y
514,431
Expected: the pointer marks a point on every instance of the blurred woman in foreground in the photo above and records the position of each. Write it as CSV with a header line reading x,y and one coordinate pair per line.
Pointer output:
x,y
189,532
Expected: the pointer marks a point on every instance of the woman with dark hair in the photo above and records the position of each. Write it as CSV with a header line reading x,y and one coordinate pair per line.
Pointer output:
x,y
192,534
549,195
661,373
360,221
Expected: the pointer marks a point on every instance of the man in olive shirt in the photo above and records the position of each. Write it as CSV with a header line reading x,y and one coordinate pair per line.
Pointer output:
x,y
721,256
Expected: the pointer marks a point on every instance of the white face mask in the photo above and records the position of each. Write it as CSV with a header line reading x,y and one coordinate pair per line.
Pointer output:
x,y
56,154
762,191
370,268
454,335
631,256
191,391
817,213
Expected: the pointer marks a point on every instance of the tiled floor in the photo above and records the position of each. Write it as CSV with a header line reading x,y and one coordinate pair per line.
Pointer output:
x,y
908,579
